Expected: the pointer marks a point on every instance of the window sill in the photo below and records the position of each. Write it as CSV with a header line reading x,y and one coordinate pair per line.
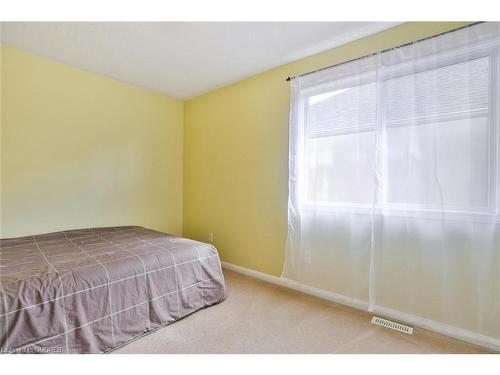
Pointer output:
x,y
410,212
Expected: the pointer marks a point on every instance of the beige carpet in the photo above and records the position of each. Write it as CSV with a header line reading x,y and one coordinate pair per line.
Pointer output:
x,y
258,317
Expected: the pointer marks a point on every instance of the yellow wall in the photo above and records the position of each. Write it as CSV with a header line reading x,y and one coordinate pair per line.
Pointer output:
x,y
236,155
80,150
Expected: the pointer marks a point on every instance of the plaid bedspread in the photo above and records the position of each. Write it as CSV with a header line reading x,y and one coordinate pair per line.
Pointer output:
x,y
90,290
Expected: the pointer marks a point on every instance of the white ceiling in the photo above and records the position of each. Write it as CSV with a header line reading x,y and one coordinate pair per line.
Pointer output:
x,y
181,59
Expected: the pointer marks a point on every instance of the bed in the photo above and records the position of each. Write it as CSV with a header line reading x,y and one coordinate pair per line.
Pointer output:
x,y
93,290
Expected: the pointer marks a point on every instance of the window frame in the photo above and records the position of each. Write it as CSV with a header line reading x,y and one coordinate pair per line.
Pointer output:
x,y
380,75
366,77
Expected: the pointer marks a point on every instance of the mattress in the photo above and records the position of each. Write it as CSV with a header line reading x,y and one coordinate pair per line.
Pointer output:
x,y
92,290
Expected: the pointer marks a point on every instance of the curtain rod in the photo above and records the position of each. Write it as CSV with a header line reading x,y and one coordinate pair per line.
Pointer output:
x,y
385,50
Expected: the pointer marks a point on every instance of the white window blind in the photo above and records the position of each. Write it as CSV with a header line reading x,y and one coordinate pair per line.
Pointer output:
x,y
342,111
449,92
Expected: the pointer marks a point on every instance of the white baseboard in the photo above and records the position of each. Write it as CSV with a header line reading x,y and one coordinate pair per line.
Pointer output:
x,y
287,283
441,328
430,325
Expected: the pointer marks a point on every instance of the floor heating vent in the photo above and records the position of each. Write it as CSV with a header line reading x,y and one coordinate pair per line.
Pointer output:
x,y
392,325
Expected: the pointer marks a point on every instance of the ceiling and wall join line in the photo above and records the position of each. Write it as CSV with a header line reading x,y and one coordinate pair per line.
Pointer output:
x,y
181,59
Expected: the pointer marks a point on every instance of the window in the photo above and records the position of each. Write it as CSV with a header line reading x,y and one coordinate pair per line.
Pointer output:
x,y
340,145
420,136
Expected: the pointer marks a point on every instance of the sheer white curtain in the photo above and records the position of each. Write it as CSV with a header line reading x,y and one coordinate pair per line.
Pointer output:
x,y
394,182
